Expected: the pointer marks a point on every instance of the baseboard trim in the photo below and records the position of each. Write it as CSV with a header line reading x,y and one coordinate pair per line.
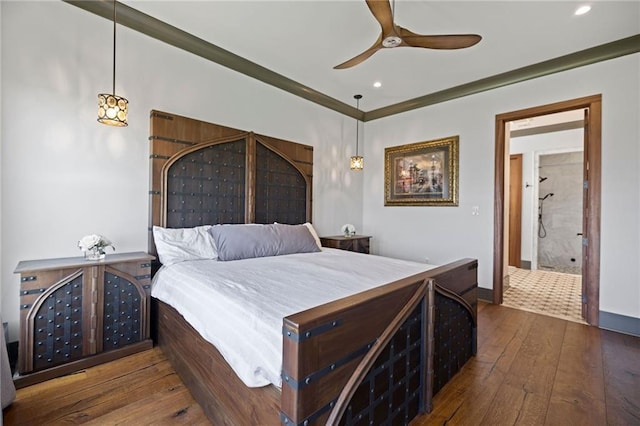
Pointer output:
x,y
620,323
485,294
525,264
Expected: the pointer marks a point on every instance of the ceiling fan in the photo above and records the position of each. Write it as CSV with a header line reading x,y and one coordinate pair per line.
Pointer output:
x,y
393,35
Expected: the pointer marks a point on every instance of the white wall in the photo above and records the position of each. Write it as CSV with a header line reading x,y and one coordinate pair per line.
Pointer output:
x,y
530,146
446,233
1,33
64,175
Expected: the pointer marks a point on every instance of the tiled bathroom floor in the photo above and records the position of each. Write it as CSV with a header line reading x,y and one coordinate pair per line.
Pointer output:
x,y
548,293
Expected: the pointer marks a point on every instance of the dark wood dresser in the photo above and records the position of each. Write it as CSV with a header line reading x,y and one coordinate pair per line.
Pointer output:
x,y
357,243
76,313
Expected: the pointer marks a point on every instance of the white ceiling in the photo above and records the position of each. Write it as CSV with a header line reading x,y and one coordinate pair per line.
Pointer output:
x,y
303,40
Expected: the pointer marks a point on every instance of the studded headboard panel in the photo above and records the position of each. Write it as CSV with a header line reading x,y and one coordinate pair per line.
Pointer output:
x,y
207,186
281,190
204,173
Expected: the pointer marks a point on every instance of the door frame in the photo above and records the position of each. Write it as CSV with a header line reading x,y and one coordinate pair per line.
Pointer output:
x,y
591,196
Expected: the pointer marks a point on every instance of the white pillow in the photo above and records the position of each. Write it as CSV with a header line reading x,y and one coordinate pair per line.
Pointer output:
x,y
314,233
176,245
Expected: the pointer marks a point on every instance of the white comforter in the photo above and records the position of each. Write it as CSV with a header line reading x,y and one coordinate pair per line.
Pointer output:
x,y
238,306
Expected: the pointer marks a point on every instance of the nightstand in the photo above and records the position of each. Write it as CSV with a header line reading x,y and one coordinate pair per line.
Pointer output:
x,y
76,313
357,243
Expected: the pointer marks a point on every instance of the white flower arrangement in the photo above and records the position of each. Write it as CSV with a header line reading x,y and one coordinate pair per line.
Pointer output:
x,y
94,246
348,230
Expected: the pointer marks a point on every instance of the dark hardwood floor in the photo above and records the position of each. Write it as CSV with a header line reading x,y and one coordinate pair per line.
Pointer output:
x,y
530,370
538,370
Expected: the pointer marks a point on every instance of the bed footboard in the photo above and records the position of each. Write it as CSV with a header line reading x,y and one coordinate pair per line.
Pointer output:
x,y
371,358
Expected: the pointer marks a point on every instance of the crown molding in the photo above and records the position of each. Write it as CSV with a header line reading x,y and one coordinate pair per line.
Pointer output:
x,y
603,52
159,30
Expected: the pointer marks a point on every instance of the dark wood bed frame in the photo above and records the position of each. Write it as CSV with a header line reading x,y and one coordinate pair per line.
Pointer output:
x,y
378,356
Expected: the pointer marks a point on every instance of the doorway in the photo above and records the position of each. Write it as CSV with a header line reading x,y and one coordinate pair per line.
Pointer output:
x,y
590,258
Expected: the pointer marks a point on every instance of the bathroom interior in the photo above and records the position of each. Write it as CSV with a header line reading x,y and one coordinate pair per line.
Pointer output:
x,y
559,213
547,277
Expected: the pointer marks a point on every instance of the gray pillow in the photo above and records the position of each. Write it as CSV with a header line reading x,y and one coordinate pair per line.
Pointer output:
x,y
235,242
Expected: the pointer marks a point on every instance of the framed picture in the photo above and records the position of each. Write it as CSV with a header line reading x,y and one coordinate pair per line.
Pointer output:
x,y
422,174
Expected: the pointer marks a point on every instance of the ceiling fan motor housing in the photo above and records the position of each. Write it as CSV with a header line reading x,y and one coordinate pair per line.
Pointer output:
x,y
392,41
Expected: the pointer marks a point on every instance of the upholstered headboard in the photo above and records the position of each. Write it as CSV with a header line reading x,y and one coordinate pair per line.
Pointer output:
x,y
204,173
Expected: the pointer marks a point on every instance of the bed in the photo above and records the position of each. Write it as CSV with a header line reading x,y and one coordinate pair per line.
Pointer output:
x,y
376,356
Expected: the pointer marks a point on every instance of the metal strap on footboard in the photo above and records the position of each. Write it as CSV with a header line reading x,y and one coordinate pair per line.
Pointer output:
x,y
299,384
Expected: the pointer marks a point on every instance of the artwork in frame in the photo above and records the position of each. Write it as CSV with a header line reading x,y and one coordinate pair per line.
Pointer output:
x,y
422,174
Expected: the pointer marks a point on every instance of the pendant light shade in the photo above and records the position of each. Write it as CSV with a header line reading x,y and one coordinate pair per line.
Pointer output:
x,y
113,109
357,161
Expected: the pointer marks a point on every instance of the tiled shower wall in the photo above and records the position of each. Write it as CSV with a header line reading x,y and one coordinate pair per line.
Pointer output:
x,y
561,248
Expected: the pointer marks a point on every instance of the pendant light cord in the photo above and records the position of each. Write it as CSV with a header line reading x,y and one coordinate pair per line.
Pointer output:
x,y
357,97
114,48
357,125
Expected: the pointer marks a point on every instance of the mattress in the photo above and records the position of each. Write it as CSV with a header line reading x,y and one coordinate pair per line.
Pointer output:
x,y
238,306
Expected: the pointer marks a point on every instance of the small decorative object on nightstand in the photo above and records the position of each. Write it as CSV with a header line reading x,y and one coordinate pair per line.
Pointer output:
x,y
357,243
76,313
94,246
348,230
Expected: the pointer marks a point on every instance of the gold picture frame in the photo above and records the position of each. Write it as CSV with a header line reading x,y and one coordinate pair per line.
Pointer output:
x,y
422,174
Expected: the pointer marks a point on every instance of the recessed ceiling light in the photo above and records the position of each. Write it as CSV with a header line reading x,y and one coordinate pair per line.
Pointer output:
x,y
377,84
582,10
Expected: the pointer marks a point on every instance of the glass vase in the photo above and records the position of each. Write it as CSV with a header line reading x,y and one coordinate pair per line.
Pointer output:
x,y
94,254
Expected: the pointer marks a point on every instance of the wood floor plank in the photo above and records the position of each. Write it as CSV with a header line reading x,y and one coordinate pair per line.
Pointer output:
x,y
50,389
101,389
99,394
578,391
524,396
621,357
98,405
178,407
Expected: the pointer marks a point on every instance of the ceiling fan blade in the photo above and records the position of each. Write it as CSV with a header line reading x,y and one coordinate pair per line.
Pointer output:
x,y
361,57
450,41
381,10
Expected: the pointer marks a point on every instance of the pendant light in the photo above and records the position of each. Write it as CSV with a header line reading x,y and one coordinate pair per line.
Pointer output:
x,y
357,162
113,109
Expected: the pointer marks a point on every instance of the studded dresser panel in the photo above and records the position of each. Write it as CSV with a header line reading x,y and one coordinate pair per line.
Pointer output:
x,y
57,326
122,310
